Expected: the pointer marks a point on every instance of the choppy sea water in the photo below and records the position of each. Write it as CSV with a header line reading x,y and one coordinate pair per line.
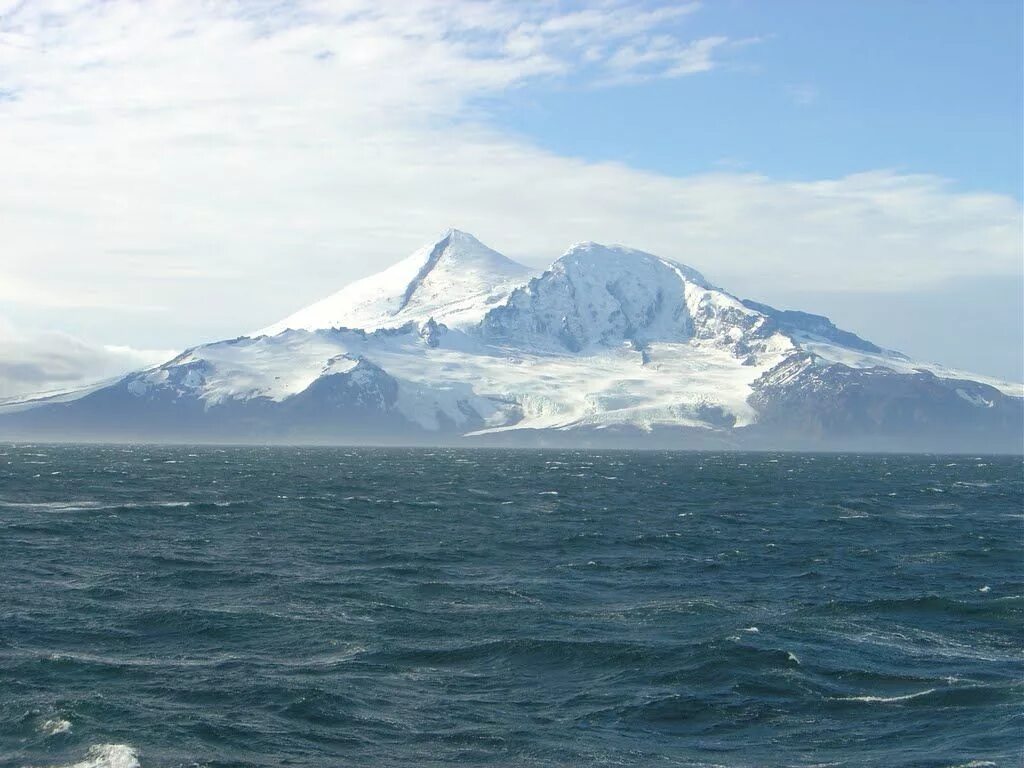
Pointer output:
x,y
315,607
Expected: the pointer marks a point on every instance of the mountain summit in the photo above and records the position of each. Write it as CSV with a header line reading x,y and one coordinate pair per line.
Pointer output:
x,y
608,346
452,280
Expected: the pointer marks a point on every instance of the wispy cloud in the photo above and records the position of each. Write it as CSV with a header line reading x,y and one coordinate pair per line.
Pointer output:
x,y
663,56
40,362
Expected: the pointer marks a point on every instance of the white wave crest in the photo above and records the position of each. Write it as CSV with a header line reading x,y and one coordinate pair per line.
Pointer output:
x,y
90,506
108,756
54,726
885,699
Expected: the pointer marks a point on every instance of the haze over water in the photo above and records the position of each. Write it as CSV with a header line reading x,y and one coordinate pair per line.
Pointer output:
x,y
172,606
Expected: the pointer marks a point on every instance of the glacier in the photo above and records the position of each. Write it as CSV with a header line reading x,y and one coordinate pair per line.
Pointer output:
x,y
609,346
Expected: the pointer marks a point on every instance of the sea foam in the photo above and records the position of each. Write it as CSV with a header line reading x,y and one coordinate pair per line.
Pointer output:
x,y
108,756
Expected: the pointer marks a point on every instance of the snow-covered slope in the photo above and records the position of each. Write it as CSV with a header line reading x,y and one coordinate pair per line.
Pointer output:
x,y
596,295
611,344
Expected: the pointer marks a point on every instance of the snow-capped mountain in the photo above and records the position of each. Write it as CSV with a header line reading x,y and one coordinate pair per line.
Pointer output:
x,y
609,345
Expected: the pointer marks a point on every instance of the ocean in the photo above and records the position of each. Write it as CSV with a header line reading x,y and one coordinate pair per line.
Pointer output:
x,y
251,606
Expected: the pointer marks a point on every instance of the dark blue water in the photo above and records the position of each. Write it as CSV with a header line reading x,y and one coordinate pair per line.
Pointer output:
x,y
316,607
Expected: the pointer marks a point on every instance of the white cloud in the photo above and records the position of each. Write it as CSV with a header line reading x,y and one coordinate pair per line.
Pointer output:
x,y
663,56
218,165
39,362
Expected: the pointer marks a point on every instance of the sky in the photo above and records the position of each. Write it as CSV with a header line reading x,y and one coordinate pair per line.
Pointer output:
x,y
181,172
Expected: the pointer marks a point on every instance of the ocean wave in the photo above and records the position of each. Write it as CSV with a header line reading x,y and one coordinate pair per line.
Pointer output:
x,y
549,651
931,604
57,506
107,756
151,662
915,642
91,506
54,726
884,699
954,695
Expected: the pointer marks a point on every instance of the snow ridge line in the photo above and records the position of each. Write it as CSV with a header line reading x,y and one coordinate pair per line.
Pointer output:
x,y
428,266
